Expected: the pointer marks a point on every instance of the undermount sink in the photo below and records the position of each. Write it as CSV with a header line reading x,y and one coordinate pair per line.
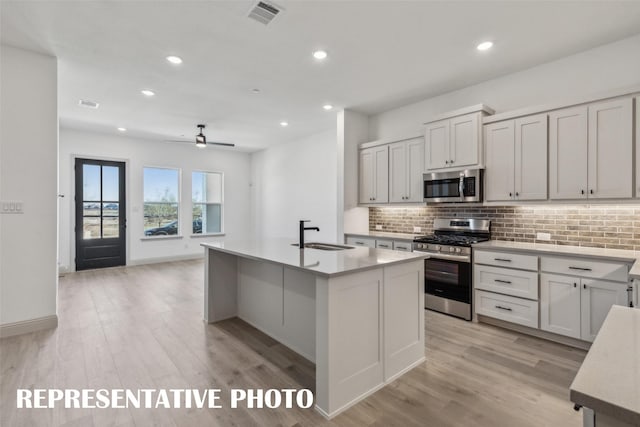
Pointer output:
x,y
324,246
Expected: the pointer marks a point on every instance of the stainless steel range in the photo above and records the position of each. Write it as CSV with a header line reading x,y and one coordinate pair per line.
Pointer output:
x,y
447,273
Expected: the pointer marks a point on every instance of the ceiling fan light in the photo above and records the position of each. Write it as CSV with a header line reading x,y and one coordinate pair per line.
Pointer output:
x,y
201,141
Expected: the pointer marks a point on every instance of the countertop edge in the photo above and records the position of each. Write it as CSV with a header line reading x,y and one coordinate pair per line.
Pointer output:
x,y
384,235
315,272
600,406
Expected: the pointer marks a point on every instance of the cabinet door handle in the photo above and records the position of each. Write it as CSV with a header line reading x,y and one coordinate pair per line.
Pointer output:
x,y
575,285
581,191
451,161
502,259
504,308
584,286
591,191
502,281
517,194
580,268
446,162
510,195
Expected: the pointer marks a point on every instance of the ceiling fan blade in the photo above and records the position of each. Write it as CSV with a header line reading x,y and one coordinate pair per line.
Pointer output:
x,y
225,144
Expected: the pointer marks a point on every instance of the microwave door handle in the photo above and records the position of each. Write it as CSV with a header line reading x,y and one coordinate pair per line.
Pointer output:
x,y
461,188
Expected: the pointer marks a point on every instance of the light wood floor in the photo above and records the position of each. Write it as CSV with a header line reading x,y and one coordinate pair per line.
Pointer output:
x,y
141,327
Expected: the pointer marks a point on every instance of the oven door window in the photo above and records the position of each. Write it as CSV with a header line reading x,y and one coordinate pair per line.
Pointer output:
x,y
442,188
448,279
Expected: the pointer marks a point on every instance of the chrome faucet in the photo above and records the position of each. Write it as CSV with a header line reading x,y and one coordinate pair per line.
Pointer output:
x,y
302,229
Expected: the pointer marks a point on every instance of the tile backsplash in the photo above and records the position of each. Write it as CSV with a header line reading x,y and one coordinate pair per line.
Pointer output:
x,y
603,226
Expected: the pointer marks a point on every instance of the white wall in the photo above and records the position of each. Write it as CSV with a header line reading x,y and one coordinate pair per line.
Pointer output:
x,y
295,181
28,172
612,66
137,154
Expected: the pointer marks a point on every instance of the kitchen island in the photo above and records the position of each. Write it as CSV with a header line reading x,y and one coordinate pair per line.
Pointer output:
x,y
356,313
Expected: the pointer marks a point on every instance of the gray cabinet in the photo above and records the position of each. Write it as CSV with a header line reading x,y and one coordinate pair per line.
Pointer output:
x,y
454,142
406,165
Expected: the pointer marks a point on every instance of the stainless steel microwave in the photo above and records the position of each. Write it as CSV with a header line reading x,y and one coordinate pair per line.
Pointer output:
x,y
463,186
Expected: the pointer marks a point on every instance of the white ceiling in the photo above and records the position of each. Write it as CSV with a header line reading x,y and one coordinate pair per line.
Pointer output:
x,y
382,54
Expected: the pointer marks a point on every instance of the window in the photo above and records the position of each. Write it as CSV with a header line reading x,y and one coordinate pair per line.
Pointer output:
x,y
207,197
161,201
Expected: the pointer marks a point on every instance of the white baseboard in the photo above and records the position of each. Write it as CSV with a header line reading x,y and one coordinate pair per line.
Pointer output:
x,y
158,260
27,326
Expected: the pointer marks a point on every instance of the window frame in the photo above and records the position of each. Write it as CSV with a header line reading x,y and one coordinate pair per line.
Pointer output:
x,y
222,203
178,235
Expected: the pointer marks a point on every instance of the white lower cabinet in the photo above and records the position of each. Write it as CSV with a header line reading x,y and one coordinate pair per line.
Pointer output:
x,y
384,244
560,304
361,241
596,299
507,308
401,245
576,307
575,294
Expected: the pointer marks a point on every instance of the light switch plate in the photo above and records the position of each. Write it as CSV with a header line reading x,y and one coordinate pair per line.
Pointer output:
x,y
543,236
378,227
417,229
11,207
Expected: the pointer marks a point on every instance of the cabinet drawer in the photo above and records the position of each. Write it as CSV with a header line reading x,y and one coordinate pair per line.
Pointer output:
x,y
510,309
517,283
585,267
384,244
506,259
361,241
400,245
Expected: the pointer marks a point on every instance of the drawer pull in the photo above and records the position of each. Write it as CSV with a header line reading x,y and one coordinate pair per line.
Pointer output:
x,y
502,281
359,243
503,308
402,247
502,259
383,246
579,268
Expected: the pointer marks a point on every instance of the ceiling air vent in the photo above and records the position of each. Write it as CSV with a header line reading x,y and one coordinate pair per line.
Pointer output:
x,y
88,104
264,12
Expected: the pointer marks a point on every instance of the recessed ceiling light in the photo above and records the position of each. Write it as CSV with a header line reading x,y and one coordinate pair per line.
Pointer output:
x,y
320,54
255,90
122,129
327,107
284,124
484,46
174,59
147,92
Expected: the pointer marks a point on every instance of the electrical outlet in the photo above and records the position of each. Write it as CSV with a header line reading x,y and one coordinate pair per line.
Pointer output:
x,y
417,229
378,227
543,236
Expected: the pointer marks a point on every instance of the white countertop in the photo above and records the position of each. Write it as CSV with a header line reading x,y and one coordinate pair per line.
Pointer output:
x,y
386,235
609,379
579,251
324,263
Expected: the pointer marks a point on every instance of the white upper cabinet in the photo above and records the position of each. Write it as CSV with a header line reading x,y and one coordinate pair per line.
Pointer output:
x,y
406,162
374,175
531,158
591,151
499,159
464,140
568,153
454,142
516,159
610,149
436,138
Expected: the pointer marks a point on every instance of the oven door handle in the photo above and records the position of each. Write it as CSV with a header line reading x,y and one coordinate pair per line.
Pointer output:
x,y
461,258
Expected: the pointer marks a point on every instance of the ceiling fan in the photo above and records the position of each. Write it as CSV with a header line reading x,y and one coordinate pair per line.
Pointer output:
x,y
201,140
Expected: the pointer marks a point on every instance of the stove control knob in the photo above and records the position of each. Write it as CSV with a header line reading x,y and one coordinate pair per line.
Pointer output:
x,y
458,250
437,248
452,249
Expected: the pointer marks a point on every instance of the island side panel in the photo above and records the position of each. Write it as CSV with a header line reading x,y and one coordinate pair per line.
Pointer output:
x,y
349,348
220,286
299,301
403,318
260,295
